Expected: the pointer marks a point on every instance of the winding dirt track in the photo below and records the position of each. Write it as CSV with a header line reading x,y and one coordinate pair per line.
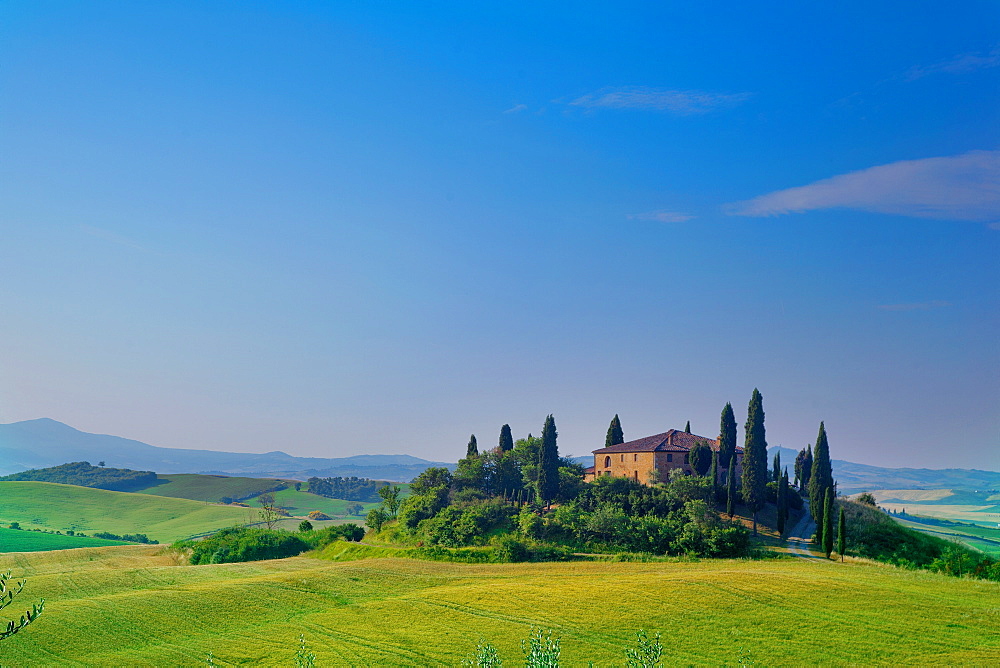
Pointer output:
x,y
798,539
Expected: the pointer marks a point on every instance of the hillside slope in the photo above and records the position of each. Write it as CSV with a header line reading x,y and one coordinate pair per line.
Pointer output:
x,y
121,606
61,507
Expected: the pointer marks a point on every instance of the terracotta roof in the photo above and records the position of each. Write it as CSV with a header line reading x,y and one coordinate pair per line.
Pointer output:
x,y
669,441
589,469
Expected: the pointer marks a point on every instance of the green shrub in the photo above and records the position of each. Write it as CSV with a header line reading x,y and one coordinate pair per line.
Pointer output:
x,y
246,544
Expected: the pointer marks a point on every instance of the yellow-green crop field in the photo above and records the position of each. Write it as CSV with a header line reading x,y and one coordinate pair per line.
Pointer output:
x,y
136,605
211,488
53,506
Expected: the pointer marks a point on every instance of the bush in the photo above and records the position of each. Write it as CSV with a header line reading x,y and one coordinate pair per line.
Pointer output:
x,y
511,550
305,525
327,535
246,544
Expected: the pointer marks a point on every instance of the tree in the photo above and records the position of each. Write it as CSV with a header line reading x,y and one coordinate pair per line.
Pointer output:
x,y
100,464
473,447
727,437
828,522
867,498
615,434
782,502
8,590
841,535
755,458
548,463
506,439
687,427
715,475
776,467
821,473
730,490
298,486
269,510
376,518
305,525
390,499
700,458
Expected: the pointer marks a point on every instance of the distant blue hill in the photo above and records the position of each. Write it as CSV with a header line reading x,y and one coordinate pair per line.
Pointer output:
x,y
42,443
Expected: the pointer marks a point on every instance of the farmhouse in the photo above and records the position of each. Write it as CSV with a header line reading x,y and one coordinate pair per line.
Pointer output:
x,y
652,458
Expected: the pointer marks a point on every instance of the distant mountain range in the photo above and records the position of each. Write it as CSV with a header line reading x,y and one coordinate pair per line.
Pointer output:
x,y
42,443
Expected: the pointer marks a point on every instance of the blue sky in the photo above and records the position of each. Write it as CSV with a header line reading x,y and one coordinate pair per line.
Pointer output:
x,y
342,228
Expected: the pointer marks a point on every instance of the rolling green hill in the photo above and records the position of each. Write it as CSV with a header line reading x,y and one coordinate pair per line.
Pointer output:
x,y
210,488
136,606
61,507
14,540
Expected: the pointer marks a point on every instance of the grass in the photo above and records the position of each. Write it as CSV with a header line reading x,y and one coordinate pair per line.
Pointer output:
x,y
210,488
53,506
302,502
982,538
137,606
14,540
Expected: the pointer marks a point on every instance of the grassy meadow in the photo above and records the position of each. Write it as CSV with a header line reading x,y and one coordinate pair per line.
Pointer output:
x,y
210,488
47,505
14,540
137,605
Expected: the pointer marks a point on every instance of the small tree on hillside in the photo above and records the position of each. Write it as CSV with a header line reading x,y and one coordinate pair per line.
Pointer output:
x,y
615,434
776,466
506,439
269,511
828,522
390,499
472,450
376,518
305,525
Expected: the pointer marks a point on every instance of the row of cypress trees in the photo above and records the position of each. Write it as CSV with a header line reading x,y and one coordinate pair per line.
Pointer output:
x,y
547,485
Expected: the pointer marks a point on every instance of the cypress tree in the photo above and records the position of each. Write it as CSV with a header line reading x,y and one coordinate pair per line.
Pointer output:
x,y
548,463
821,475
727,437
828,522
615,434
687,427
820,525
782,504
755,457
506,439
715,475
730,490
473,449
776,467
841,535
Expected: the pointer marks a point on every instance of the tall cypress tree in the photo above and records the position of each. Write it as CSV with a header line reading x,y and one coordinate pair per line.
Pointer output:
x,y
548,463
776,467
727,437
755,458
687,427
821,475
841,535
820,525
782,502
506,439
828,522
615,434
473,449
715,475
730,490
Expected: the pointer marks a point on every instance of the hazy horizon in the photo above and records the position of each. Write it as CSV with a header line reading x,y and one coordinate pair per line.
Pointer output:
x,y
349,229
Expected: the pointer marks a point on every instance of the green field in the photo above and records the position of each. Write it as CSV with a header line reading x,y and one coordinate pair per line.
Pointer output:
x,y
301,503
14,540
136,606
210,488
984,539
53,506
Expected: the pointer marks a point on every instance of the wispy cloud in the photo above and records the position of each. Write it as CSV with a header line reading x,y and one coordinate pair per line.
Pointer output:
x,y
918,306
108,235
661,216
965,62
517,108
681,102
961,187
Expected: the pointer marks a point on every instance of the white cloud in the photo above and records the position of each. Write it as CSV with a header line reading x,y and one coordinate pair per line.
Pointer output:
x,y
965,62
961,187
661,216
682,102
919,306
516,109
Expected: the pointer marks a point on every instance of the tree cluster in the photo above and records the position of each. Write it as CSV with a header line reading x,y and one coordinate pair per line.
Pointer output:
x,y
85,475
351,489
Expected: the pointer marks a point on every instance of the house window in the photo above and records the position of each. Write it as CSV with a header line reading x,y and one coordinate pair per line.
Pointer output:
x,y
622,457
637,476
635,458
607,462
670,457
